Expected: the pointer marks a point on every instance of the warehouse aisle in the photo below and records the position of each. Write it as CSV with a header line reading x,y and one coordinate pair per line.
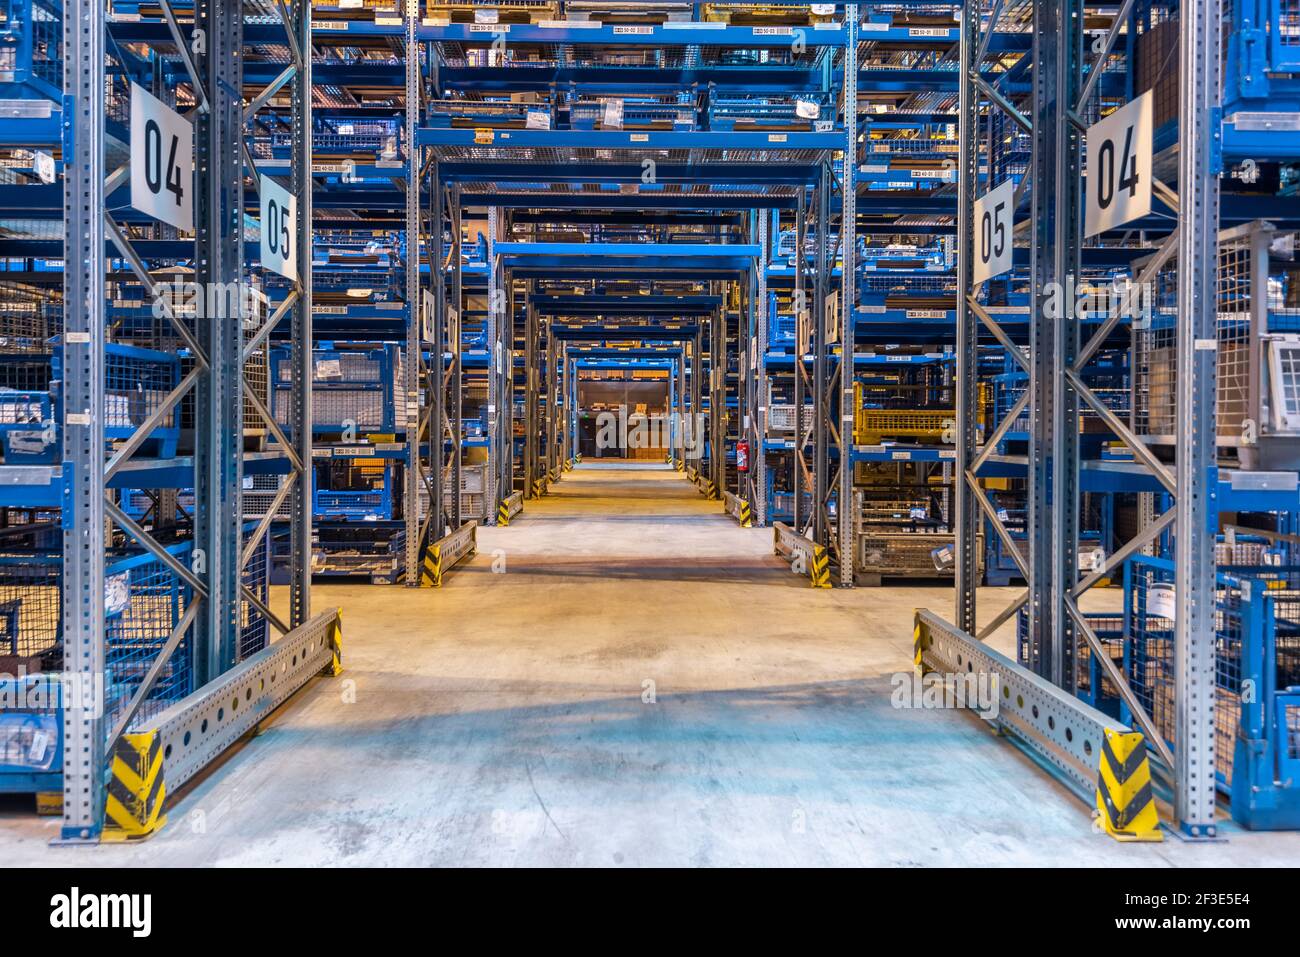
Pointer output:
x,y
625,677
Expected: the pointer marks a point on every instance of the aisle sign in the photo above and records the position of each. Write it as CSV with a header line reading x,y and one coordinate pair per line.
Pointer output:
x,y
993,227
279,229
162,161
1118,181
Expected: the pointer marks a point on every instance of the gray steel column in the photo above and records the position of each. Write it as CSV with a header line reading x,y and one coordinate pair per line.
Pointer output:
x,y
496,295
821,363
762,391
554,404
679,424
532,363
219,258
696,433
1054,439
1198,219
300,396
848,296
718,398
413,349
506,438
83,418
456,384
566,437
965,510
438,369
802,470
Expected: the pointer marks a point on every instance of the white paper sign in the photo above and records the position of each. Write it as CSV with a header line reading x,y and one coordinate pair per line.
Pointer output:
x,y
1118,181
162,160
993,227
426,315
44,166
1162,600
279,229
538,120
613,115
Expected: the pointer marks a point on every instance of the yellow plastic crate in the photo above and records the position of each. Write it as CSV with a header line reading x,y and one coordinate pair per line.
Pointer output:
x,y
871,426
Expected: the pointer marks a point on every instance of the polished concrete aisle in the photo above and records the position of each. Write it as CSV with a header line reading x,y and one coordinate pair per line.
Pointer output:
x,y
625,677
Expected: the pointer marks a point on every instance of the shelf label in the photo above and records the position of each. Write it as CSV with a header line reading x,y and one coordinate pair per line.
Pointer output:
x,y
1162,600
279,229
162,161
1119,169
993,227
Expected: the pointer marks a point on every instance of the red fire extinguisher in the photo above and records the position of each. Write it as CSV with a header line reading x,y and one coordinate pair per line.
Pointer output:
x,y
742,456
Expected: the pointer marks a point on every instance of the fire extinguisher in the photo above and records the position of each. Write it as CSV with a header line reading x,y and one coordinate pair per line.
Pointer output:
x,y
742,456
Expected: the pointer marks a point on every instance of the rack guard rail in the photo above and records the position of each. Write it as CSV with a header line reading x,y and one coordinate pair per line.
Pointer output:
x,y
805,556
1101,760
446,552
184,739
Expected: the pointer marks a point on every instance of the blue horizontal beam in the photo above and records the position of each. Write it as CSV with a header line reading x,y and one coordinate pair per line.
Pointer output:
x,y
637,250
626,305
756,173
645,199
585,267
603,331
638,80
624,140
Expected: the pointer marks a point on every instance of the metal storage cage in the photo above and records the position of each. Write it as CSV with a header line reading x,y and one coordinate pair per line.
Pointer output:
x,y
354,391
136,383
1257,678
1258,336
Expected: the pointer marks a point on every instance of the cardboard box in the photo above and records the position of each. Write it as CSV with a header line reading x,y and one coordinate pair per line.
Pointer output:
x,y
13,665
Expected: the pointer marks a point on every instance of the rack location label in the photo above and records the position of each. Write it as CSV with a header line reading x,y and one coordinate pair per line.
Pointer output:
x,y
162,160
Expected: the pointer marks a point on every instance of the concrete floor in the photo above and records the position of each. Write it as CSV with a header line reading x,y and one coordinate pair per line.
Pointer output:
x,y
505,719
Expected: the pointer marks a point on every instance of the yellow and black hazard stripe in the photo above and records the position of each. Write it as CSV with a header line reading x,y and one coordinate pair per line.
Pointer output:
x,y
1124,798
744,516
712,492
820,570
431,569
539,487
133,809
503,514
335,667
554,474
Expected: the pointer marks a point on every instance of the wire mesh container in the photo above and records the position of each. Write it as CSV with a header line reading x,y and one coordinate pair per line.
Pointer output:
x,y
143,602
353,391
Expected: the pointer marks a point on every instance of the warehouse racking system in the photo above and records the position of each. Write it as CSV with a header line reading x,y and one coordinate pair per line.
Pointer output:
x,y
855,243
